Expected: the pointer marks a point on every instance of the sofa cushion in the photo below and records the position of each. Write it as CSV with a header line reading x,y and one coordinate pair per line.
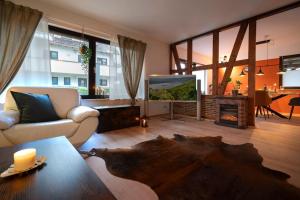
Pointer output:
x,y
21,133
80,113
8,118
34,107
63,99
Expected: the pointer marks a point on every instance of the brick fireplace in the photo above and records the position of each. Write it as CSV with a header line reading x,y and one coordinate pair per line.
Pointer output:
x,y
208,107
232,111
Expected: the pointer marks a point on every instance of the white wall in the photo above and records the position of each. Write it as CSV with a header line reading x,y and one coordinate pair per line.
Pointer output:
x,y
157,53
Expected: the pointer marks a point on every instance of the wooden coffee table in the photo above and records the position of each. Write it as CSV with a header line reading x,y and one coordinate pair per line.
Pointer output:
x,y
65,175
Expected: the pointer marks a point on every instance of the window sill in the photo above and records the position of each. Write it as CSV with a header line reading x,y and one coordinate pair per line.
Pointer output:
x,y
105,97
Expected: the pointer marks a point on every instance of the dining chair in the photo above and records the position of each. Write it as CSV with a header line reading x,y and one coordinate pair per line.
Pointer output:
x,y
294,102
262,99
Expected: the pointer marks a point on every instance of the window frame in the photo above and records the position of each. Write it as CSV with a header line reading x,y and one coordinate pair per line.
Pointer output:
x,y
102,81
56,78
79,79
101,61
67,78
56,57
91,81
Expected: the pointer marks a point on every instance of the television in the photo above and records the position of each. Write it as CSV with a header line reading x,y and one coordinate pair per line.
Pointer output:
x,y
173,88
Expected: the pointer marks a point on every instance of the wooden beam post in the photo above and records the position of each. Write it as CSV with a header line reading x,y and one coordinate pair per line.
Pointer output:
x,y
189,56
170,60
251,72
176,58
215,82
221,65
233,56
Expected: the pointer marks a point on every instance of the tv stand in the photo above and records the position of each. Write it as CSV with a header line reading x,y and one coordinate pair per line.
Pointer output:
x,y
171,113
171,102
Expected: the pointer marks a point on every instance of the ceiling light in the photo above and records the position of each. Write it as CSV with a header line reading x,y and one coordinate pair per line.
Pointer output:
x,y
242,73
281,71
260,72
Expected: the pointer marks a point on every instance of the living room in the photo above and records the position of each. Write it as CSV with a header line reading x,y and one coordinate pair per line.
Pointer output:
x,y
149,100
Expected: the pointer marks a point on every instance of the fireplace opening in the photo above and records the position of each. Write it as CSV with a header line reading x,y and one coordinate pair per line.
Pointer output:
x,y
229,114
232,111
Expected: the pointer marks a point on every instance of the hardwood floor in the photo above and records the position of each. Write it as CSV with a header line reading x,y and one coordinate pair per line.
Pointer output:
x,y
278,144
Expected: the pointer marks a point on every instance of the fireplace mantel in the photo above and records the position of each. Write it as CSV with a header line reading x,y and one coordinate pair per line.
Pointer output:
x,y
240,97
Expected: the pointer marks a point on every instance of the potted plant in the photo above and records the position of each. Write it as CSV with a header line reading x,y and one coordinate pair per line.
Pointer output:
x,y
86,54
236,86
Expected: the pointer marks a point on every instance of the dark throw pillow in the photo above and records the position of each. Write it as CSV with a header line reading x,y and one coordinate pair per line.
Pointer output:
x,y
34,107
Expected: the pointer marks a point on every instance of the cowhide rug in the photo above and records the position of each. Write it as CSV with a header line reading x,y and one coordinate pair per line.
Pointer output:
x,y
199,168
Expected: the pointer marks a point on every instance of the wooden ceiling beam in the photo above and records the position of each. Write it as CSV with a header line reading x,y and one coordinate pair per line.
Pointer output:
x,y
189,56
176,58
221,65
263,42
215,81
238,23
170,59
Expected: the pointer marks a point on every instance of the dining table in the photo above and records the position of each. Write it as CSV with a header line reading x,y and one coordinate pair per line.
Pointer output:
x,y
277,95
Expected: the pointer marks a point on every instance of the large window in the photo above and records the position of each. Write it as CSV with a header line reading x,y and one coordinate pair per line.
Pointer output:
x,y
66,61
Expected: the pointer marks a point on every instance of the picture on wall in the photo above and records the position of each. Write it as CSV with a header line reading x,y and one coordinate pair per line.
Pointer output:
x,y
173,88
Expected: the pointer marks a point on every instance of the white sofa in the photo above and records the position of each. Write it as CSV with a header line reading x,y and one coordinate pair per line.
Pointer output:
x,y
77,122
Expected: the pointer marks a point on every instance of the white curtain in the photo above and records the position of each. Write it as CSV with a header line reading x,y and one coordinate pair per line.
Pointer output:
x,y
35,70
117,86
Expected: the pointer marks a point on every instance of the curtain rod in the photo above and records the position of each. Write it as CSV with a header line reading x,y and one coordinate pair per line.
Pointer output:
x,y
77,27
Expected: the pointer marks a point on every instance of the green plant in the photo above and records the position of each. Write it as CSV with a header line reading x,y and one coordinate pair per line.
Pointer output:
x,y
83,90
86,54
237,84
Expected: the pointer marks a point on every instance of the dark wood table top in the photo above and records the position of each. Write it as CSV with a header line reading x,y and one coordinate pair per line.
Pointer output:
x,y
65,175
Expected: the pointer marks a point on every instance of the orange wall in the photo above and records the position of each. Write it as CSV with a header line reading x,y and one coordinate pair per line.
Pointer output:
x,y
270,78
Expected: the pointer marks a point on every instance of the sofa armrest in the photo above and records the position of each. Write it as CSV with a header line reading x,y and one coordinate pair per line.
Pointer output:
x,y
80,113
8,119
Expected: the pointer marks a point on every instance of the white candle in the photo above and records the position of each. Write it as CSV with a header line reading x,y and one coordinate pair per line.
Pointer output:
x,y
144,123
24,159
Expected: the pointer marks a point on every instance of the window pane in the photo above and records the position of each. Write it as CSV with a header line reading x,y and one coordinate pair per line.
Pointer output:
x,y
54,55
206,80
54,80
82,82
102,69
66,68
67,81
